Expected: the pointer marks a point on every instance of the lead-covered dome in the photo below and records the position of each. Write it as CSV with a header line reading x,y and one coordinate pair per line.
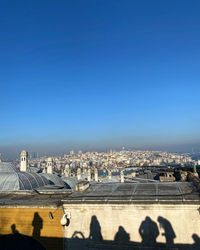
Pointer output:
x,y
7,167
11,179
70,182
16,180
53,179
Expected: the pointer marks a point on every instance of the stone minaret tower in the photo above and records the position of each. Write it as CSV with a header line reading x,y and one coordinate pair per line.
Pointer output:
x,y
89,174
109,175
49,165
67,171
24,161
195,171
122,176
79,177
96,177
0,158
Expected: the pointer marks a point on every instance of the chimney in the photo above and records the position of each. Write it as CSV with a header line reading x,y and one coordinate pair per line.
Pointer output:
x,y
109,175
67,171
49,165
24,161
89,175
122,176
79,177
96,177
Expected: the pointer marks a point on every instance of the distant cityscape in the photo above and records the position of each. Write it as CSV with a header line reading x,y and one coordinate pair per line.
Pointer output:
x,y
108,165
116,159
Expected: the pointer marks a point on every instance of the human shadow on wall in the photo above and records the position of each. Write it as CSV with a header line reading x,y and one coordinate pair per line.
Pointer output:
x,y
19,241
95,240
122,235
13,229
196,239
95,230
169,233
37,225
148,231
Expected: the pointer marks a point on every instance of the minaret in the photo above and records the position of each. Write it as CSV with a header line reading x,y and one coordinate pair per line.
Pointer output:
x,y
89,174
79,174
67,171
122,176
109,175
195,171
49,165
24,161
0,158
96,177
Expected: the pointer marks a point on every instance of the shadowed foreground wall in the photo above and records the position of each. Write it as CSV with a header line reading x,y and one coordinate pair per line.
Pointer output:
x,y
147,224
34,222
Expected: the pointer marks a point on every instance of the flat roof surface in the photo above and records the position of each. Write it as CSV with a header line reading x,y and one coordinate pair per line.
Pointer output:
x,y
33,198
136,192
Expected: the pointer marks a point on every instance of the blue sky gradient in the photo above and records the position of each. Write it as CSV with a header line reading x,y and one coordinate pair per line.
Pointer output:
x,y
103,73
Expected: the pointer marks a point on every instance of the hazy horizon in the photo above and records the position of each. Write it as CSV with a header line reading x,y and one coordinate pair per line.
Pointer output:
x,y
13,152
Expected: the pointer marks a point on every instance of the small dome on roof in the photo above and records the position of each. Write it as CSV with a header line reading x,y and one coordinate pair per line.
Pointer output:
x,y
16,180
70,182
53,179
7,167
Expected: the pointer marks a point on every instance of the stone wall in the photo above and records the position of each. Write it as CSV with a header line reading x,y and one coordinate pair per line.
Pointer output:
x,y
24,226
167,225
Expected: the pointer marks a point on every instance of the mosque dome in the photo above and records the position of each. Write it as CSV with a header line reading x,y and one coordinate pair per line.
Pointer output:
x,y
16,180
53,179
7,167
70,182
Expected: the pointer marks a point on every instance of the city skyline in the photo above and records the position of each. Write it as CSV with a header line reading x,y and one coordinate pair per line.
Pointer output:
x,y
99,75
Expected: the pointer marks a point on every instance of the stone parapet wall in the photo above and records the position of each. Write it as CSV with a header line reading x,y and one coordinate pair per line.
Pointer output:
x,y
149,224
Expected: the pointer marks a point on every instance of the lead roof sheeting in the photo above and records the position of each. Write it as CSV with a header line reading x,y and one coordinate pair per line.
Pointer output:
x,y
7,167
8,181
70,182
53,179
13,181
136,191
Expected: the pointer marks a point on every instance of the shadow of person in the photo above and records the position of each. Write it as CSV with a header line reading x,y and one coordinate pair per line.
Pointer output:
x,y
122,235
19,241
13,229
196,239
169,232
95,230
148,231
37,225
78,235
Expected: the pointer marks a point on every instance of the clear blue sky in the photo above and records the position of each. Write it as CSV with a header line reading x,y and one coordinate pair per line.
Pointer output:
x,y
100,72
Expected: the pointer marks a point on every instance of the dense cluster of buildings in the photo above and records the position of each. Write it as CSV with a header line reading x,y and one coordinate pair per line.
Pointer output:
x,y
116,159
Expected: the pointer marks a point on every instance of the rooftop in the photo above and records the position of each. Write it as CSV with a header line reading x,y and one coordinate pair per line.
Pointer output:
x,y
175,192
44,198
